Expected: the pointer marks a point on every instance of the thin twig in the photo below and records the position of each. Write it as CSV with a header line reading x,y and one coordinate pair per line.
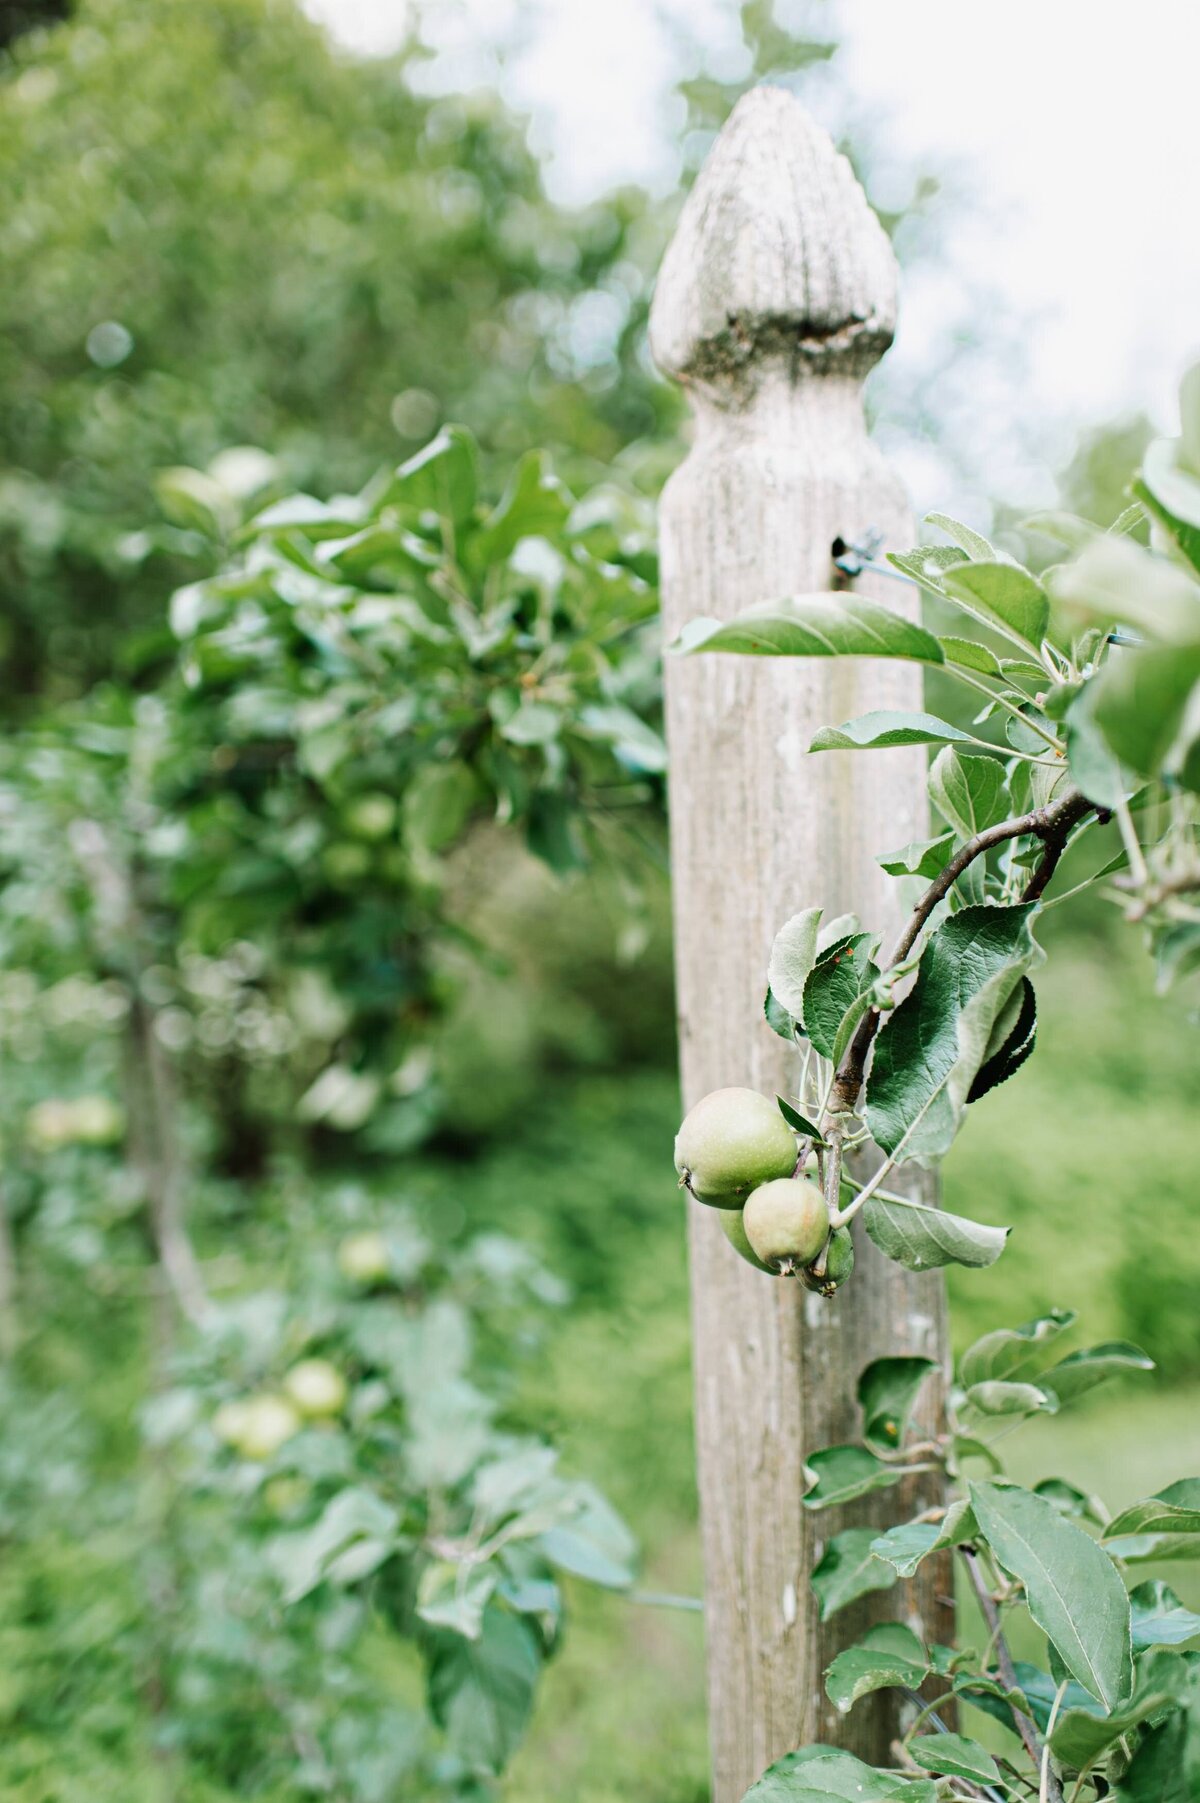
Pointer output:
x,y
1025,1727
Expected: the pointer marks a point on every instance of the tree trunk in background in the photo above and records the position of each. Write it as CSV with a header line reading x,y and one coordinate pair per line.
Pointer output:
x,y
775,298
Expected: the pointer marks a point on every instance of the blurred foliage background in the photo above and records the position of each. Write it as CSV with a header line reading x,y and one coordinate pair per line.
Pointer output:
x,y
278,966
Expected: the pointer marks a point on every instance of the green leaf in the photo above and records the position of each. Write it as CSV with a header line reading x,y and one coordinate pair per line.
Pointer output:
x,y
778,1018
970,656
878,731
1070,1501
1082,1371
1139,700
797,1122
533,723
965,537
351,1518
833,987
922,857
793,956
534,504
906,1546
815,1774
996,1397
969,793
1175,1510
1095,771
847,1570
1004,594
1080,1736
928,564
838,1474
481,1691
922,1238
1158,1616
1013,1352
1072,1588
635,744
887,1391
594,1543
440,478
954,1756
887,1656
832,625
931,1047
1114,579
453,1596
1011,1041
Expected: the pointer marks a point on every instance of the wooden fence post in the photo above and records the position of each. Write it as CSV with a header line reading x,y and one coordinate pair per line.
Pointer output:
x,y
775,298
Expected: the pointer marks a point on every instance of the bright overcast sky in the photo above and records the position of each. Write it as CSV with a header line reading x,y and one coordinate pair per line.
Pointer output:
x,y
1070,129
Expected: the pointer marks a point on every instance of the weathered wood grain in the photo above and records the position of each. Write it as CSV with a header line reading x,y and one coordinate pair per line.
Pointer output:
x,y
775,298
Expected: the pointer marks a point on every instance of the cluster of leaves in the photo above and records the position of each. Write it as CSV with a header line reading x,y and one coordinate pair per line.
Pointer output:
x,y
1101,721
366,679
273,1608
1116,1705
365,262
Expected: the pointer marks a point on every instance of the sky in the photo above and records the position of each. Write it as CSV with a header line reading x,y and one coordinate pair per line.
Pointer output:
x,y
1067,131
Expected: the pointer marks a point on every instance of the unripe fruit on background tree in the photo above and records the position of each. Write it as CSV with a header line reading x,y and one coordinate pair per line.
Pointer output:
x,y
256,1426
731,1142
363,1257
316,1387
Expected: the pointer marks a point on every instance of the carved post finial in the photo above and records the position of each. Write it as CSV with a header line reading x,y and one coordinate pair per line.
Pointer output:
x,y
777,252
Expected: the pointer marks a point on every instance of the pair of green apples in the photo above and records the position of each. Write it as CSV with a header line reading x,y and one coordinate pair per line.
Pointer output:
x,y
736,1152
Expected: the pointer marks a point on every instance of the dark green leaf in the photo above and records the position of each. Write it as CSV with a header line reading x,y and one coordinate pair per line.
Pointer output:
x,y
1072,1588
1010,1044
833,987
954,1756
440,478
778,1018
837,1474
534,503
923,857
481,1691
797,1121
877,731
847,1570
887,1656
1080,1736
832,625
931,1047
887,1391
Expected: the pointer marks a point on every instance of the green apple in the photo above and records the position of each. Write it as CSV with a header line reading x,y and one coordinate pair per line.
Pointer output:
x,y
731,1142
363,1257
371,816
787,1222
316,1387
256,1426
